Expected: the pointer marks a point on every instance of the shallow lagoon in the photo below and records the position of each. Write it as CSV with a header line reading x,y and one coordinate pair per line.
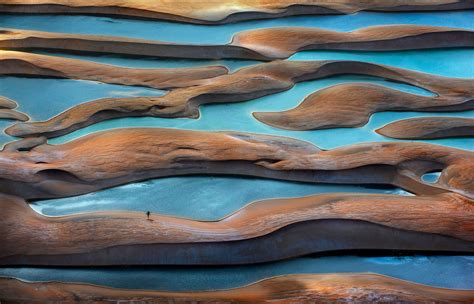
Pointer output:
x,y
441,271
197,197
212,197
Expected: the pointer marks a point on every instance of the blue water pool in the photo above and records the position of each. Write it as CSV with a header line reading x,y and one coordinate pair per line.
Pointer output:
x,y
441,271
212,197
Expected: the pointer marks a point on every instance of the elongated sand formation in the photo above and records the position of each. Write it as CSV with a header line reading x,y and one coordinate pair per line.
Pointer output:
x,y
429,128
28,64
440,218
7,111
260,232
317,288
126,155
223,11
17,39
259,44
350,104
13,115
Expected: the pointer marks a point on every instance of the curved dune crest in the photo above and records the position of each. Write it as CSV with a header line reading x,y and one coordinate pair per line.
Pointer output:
x,y
351,105
7,103
223,11
259,44
429,128
30,238
126,155
439,218
18,39
284,42
7,111
320,288
13,115
24,144
28,64
256,81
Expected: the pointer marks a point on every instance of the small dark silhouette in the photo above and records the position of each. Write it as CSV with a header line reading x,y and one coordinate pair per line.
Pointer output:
x,y
148,213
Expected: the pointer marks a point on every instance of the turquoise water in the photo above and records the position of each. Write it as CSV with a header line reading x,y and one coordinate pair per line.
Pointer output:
x,y
197,197
211,197
431,177
175,32
58,95
42,99
441,271
452,63
149,62
448,62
